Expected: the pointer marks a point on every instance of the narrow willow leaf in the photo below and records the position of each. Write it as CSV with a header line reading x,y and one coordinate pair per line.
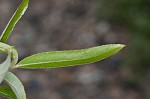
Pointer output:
x,y
7,92
4,67
15,85
56,59
15,18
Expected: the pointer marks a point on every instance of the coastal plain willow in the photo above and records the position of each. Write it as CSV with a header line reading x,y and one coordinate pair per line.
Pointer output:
x,y
51,59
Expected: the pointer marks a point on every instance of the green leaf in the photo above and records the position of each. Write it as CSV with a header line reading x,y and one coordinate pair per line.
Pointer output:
x,y
56,59
7,92
4,67
15,18
15,85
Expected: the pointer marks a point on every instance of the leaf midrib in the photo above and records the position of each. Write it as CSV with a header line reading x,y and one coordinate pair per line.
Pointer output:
x,y
22,65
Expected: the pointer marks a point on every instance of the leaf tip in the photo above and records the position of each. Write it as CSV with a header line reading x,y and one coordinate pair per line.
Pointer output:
x,y
119,46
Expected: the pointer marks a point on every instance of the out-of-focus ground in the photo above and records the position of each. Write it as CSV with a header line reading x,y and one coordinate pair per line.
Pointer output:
x,y
50,25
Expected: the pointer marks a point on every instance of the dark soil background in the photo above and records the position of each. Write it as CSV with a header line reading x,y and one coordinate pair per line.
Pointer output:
x,y
50,25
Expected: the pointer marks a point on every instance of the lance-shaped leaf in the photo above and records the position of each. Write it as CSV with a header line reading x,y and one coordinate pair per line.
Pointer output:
x,y
7,92
4,67
15,85
56,59
15,18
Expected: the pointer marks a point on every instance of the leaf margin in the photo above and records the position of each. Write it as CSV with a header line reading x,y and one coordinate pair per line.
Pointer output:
x,y
14,19
15,85
22,66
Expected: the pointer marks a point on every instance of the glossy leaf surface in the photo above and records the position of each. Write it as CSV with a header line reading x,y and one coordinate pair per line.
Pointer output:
x,y
7,92
15,18
15,85
56,59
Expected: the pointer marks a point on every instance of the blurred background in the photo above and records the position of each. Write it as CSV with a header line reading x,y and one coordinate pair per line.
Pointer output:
x,y
50,25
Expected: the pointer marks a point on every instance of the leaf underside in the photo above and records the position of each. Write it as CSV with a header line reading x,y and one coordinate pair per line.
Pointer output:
x,y
56,59
15,85
4,67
